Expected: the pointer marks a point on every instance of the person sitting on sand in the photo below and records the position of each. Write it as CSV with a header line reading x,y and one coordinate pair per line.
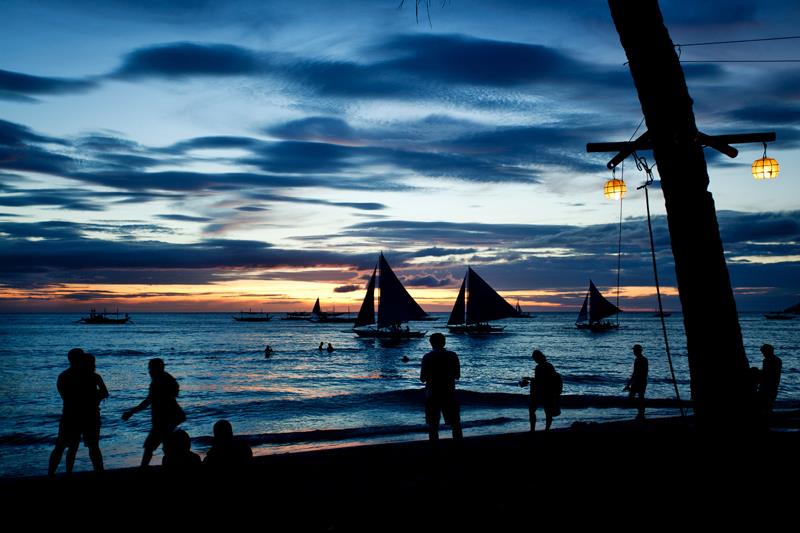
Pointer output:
x,y
638,381
178,455
440,370
546,387
227,453
330,348
166,414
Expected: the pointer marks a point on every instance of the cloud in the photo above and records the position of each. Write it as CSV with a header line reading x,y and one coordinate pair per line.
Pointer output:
x,y
775,113
185,59
20,87
347,288
427,281
184,218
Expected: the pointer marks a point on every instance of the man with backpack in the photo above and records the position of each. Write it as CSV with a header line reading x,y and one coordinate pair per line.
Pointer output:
x,y
546,387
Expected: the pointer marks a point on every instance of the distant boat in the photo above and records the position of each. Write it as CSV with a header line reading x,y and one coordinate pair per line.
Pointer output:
x,y
521,313
477,304
594,310
297,315
395,306
779,315
250,316
104,318
317,315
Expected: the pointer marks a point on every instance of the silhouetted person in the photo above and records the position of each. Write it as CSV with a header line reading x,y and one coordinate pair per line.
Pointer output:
x,y
545,390
405,359
330,348
321,346
440,370
165,412
226,453
81,391
638,380
770,379
268,351
178,455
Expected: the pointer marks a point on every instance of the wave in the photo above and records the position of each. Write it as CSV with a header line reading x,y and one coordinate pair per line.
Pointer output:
x,y
25,439
319,435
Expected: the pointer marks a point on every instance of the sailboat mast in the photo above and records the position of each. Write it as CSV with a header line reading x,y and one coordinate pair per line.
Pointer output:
x,y
466,295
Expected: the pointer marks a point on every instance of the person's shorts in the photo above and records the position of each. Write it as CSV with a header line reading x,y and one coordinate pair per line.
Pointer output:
x,y
69,432
448,407
551,408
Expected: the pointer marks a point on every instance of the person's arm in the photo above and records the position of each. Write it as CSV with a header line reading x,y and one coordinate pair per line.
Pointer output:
x,y
457,369
423,372
102,390
141,407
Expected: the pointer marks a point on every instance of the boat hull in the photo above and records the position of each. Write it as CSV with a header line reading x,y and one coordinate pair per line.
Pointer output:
x,y
103,320
598,327
476,329
389,334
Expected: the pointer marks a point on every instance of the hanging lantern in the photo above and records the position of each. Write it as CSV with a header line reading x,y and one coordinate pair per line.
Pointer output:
x,y
765,168
615,189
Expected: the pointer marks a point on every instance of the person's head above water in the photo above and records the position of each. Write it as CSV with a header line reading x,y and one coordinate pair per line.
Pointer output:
x,y
538,356
438,340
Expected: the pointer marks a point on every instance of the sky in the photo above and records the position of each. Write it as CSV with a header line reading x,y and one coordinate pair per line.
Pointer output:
x,y
210,156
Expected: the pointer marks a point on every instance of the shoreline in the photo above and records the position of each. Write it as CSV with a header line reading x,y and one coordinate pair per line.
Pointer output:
x,y
489,477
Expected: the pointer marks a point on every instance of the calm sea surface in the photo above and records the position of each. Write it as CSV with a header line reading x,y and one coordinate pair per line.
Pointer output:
x,y
302,398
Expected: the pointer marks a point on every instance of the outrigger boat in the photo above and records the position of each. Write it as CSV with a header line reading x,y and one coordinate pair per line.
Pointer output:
x,y
478,303
250,316
395,306
594,310
104,318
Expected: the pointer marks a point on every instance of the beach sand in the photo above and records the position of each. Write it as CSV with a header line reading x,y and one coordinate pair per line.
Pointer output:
x,y
590,475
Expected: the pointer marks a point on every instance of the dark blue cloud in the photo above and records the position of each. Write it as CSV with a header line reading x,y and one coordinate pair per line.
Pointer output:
x,y
184,218
20,87
428,281
459,59
184,59
776,113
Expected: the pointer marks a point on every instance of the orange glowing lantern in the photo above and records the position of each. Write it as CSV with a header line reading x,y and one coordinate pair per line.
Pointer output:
x,y
765,168
615,189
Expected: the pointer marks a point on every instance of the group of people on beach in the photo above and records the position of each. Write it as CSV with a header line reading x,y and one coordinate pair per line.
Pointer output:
x,y
441,369
82,390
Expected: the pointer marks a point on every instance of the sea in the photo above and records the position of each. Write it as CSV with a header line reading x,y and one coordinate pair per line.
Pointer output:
x,y
363,392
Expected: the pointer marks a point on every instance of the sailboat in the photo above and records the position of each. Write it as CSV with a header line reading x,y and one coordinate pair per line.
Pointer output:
x,y
395,306
478,303
317,315
595,308
250,316
521,313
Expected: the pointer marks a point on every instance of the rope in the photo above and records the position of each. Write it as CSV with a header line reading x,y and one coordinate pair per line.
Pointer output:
x,y
641,164
741,41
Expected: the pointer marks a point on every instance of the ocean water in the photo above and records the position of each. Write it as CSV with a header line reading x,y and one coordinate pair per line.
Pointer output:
x,y
302,398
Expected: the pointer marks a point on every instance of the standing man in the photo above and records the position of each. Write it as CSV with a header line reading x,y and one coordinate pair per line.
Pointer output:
x,y
81,391
545,390
770,379
440,370
166,414
638,381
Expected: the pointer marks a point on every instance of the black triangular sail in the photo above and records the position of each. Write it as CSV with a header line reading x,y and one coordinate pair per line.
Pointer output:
x,y
457,314
316,310
599,307
583,315
366,315
484,304
395,305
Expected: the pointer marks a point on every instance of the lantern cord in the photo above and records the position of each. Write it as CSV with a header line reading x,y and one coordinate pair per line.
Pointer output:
x,y
641,164
740,41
